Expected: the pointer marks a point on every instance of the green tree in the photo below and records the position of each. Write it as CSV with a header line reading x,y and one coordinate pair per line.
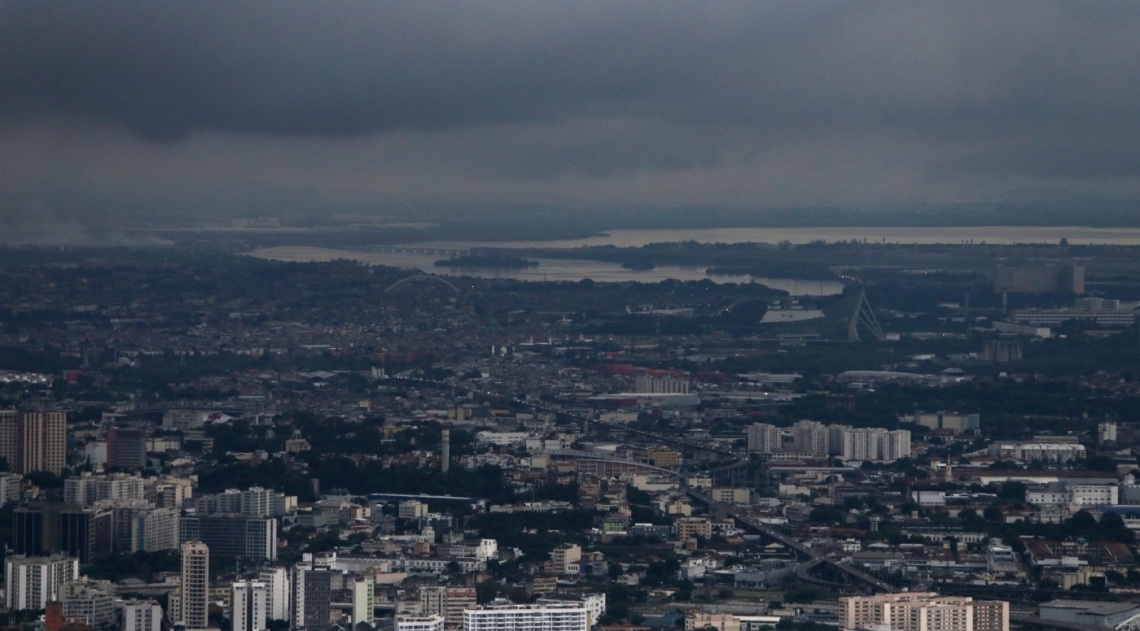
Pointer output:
x,y
993,513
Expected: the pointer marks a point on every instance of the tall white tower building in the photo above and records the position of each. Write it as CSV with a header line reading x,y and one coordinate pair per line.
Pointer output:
x,y
249,606
363,599
276,581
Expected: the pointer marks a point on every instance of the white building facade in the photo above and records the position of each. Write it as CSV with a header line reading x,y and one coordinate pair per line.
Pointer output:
x,y
142,615
249,606
764,438
509,617
277,592
419,623
31,582
363,600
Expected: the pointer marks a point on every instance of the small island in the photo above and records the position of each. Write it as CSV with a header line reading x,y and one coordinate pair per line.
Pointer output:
x,y
500,261
638,266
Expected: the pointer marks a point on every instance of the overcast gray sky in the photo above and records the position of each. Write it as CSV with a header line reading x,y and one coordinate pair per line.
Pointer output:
x,y
571,103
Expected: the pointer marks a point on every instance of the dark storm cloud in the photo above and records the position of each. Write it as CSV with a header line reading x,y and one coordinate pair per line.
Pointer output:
x,y
334,68
796,92
343,68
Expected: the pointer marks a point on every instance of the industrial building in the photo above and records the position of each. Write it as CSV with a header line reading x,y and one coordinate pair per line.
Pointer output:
x,y
957,423
1040,279
1091,613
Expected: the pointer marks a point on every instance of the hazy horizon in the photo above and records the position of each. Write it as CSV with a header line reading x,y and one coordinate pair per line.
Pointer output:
x,y
128,111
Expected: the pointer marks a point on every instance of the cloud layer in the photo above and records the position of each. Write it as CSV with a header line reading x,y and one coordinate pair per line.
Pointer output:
x,y
572,103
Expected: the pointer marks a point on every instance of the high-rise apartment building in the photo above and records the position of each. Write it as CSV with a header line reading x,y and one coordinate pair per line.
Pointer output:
x,y
174,606
433,600
811,437
10,438
249,606
31,582
764,438
898,445
195,585
257,502
923,611
459,599
276,581
33,440
10,487
155,529
43,438
123,514
48,527
233,535
173,494
363,599
254,502
88,489
126,447
835,439
1106,432
875,444
86,533
312,595
85,602
661,385
225,503
865,443
508,617
141,615
449,602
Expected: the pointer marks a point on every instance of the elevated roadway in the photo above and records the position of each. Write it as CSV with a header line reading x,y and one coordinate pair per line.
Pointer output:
x,y
812,559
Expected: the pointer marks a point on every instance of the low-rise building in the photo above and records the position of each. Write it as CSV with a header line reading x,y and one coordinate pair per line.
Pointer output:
x,y
731,495
687,527
419,623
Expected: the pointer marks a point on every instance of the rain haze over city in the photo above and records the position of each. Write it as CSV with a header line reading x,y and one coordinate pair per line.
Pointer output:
x,y
572,316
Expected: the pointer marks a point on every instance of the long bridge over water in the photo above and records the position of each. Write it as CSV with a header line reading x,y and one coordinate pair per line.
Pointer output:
x,y
411,249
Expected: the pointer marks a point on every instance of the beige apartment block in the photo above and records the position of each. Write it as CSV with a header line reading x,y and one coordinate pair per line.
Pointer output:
x,y
923,611
195,585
